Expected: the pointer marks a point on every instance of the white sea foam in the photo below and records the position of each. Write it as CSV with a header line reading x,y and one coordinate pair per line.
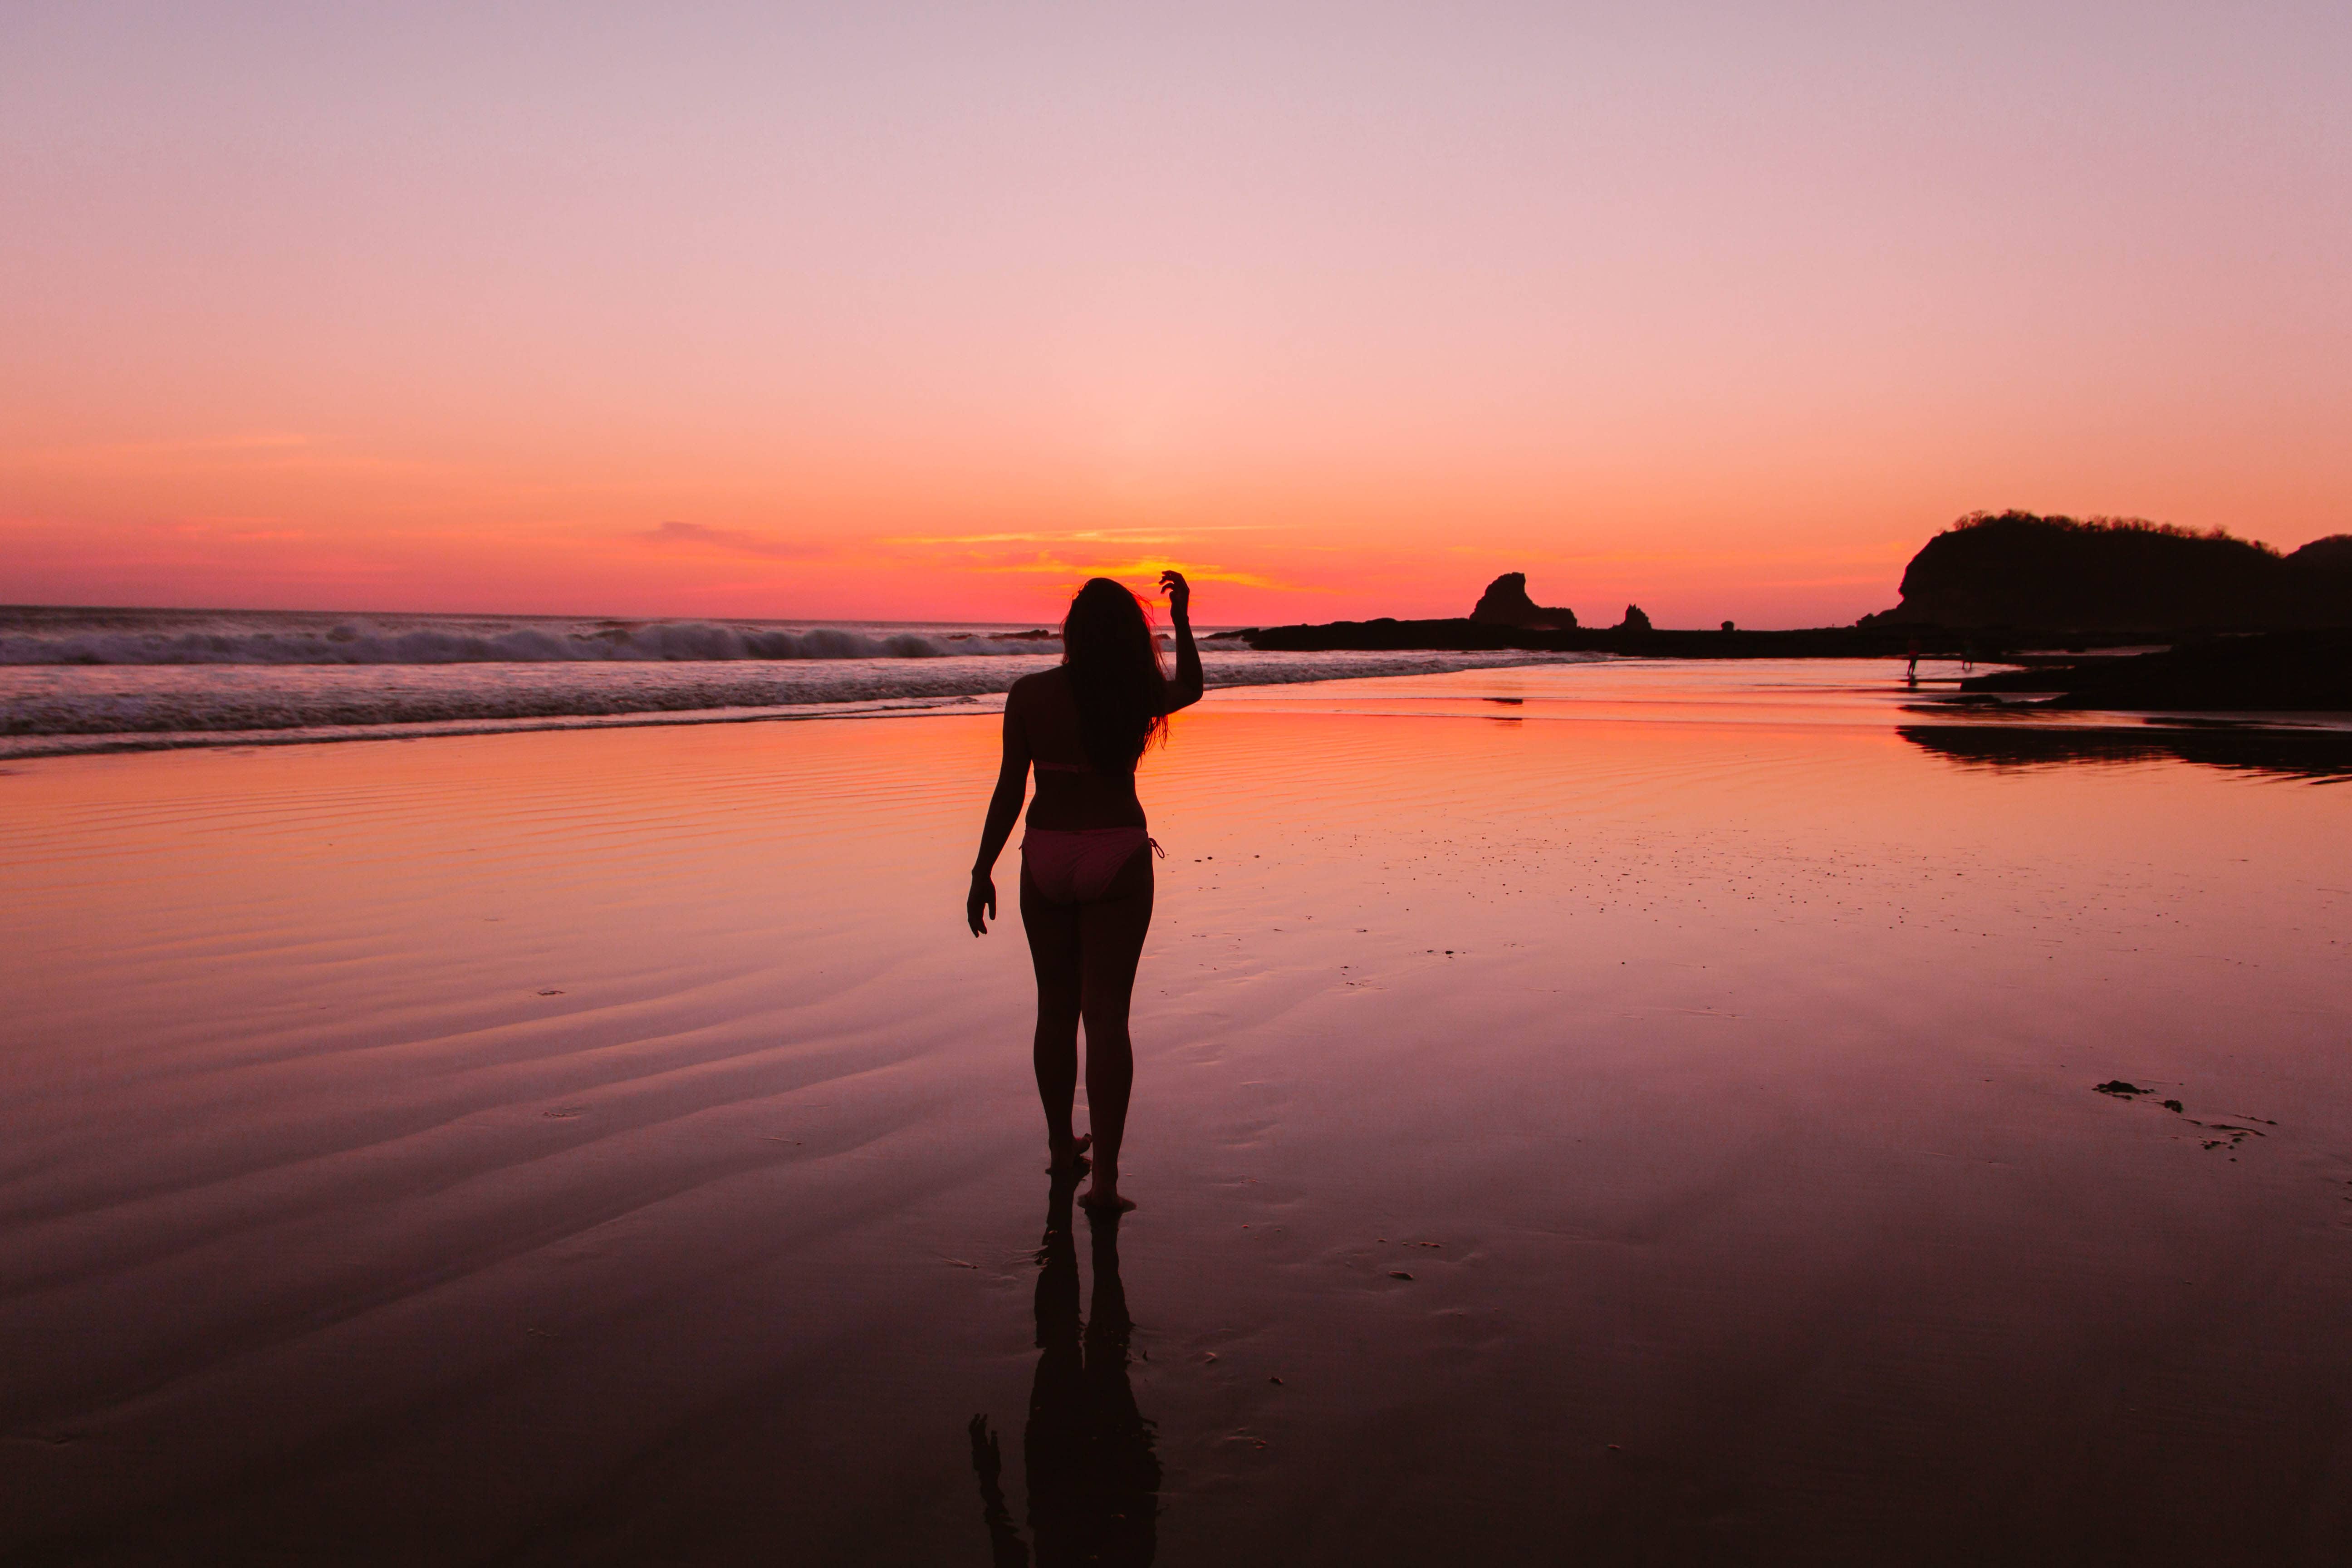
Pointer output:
x,y
53,706
39,637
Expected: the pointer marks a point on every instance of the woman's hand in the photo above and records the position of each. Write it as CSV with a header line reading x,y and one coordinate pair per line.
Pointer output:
x,y
1185,688
982,896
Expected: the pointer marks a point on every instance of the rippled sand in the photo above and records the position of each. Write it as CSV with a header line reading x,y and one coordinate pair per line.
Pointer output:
x,y
606,1146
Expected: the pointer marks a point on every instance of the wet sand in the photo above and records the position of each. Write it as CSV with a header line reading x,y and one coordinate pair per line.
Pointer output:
x,y
607,1147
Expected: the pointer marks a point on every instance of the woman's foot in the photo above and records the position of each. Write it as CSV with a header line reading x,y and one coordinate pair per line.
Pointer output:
x,y
1067,1159
1101,1195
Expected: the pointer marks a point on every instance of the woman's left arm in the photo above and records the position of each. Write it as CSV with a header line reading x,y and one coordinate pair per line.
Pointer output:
x,y
1185,688
1003,811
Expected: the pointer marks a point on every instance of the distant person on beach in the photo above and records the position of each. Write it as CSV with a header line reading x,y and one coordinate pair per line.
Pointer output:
x,y
1086,860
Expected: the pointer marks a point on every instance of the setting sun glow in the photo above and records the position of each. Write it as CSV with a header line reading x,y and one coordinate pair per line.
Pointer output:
x,y
928,311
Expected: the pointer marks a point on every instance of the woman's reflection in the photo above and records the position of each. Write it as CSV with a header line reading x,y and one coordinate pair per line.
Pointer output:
x,y
1094,1480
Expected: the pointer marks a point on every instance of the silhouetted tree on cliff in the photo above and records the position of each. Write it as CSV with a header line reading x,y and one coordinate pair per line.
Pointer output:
x,y
2017,569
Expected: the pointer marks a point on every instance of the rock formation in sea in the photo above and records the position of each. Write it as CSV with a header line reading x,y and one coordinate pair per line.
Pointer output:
x,y
1506,604
2015,569
1635,620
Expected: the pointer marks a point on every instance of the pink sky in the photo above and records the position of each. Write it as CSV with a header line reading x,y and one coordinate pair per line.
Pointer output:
x,y
928,312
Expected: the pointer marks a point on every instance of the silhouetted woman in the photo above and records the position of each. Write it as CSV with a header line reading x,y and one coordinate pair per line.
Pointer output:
x,y
1085,861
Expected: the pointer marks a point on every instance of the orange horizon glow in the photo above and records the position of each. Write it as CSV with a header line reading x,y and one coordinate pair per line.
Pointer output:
x,y
924,315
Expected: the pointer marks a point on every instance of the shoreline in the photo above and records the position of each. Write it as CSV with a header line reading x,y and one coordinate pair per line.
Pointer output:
x,y
104,743
538,696
2007,697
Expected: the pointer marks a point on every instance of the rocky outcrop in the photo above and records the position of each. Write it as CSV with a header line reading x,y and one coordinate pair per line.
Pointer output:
x,y
1506,604
1637,621
2055,573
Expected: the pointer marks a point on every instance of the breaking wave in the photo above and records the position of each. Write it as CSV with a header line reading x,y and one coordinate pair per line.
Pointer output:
x,y
37,637
57,708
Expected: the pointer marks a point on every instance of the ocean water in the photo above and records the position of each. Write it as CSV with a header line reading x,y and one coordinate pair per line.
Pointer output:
x,y
44,634
83,680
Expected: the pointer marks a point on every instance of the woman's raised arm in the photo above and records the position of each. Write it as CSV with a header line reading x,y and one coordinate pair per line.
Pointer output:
x,y
1184,690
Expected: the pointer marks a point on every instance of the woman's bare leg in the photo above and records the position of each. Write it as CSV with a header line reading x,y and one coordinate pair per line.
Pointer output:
x,y
1053,931
1110,941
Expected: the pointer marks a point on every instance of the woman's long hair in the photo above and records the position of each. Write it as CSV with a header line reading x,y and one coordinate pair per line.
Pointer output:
x,y
1121,688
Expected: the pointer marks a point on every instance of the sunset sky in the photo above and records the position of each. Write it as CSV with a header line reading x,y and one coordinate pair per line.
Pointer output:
x,y
928,312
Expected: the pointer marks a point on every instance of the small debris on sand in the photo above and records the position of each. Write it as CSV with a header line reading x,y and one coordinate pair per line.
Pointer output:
x,y
2123,1087
551,993
1273,1380
1399,1274
2172,1105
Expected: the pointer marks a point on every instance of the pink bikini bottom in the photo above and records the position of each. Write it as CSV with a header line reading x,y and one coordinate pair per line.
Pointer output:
x,y
1077,865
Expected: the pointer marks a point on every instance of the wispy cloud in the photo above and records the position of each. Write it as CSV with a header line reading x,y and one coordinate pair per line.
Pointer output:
x,y
1724,558
1135,536
734,541
1146,567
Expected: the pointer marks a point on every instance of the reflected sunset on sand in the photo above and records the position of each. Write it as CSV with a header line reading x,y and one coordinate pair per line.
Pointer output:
x,y
1668,1110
